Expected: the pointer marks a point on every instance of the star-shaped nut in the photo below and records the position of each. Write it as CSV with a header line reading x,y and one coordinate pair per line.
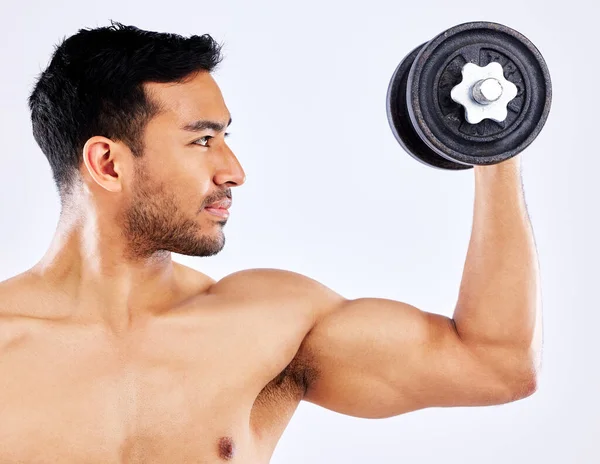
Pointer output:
x,y
484,92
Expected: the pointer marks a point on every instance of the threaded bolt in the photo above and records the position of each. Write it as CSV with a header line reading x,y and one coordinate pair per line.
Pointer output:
x,y
487,91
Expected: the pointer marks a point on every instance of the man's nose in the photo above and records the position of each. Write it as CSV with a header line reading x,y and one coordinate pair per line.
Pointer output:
x,y
230,170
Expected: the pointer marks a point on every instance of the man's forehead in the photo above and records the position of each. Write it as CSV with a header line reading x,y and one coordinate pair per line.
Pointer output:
x,y
191,106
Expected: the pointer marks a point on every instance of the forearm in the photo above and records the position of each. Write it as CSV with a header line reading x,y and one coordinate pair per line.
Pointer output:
x,y
499,301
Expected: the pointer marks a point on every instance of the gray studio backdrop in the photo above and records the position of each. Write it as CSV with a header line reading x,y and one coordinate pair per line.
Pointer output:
x,y
306,85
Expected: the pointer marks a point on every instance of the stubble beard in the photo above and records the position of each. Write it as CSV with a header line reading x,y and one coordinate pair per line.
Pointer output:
x,y
154,224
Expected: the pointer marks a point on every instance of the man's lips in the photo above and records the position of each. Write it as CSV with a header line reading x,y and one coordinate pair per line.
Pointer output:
x,y
219,208
223,204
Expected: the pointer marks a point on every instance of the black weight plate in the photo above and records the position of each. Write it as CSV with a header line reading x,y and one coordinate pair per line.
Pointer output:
x,y
440,121
400,123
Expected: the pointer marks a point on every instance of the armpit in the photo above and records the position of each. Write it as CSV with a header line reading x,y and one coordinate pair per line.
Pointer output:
x,y
278,400
290,384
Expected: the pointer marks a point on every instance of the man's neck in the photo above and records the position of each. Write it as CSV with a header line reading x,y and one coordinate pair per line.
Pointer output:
x,y
86,260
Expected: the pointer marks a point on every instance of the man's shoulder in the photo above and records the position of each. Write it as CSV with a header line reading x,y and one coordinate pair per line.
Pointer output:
x,y
19,294
292,305
15,291
278,285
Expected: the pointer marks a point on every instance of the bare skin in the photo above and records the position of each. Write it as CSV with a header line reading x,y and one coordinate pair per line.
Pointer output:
x,y
111,352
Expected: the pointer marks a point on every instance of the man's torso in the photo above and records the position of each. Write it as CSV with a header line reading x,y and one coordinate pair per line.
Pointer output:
x,y
214,379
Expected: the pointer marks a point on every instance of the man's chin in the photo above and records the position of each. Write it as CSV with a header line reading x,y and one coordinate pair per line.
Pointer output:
x,y
206,245
198,253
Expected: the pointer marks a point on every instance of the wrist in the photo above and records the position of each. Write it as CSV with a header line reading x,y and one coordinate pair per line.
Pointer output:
x,y
510,167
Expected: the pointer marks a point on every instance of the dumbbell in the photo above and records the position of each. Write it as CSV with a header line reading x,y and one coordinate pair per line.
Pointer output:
x,y
476,94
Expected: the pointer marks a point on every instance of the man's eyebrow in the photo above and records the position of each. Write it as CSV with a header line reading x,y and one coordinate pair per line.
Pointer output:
x,y
204,124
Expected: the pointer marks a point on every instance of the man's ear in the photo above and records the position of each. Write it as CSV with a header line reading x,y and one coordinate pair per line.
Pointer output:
x,y
105,161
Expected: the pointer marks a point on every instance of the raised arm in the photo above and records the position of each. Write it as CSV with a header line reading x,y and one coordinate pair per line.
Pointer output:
x,y
373,357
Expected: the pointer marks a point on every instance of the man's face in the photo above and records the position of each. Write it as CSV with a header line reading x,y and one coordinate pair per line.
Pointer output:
x,y
181,172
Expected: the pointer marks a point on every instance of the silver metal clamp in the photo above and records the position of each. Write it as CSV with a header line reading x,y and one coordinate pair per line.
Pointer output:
x,y
484,92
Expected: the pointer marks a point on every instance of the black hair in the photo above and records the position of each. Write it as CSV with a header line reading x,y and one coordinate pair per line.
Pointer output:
x,y
93,86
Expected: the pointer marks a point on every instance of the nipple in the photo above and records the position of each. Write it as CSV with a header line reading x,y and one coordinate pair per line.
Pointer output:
x,y
226,448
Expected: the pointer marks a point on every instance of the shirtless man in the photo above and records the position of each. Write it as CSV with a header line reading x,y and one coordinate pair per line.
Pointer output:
x,y
110,352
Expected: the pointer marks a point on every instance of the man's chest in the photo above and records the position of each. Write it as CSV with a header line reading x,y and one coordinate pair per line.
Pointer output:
x,y
172,393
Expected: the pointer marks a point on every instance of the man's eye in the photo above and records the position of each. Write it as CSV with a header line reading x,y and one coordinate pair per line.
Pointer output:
x,y
201,139
207,138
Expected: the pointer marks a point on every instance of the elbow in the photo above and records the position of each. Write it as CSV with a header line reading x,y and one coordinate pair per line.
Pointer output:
x,y
524,388
517,389
523,382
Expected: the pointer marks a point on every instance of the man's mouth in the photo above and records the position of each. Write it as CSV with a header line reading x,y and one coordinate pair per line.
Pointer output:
x,y
219,208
